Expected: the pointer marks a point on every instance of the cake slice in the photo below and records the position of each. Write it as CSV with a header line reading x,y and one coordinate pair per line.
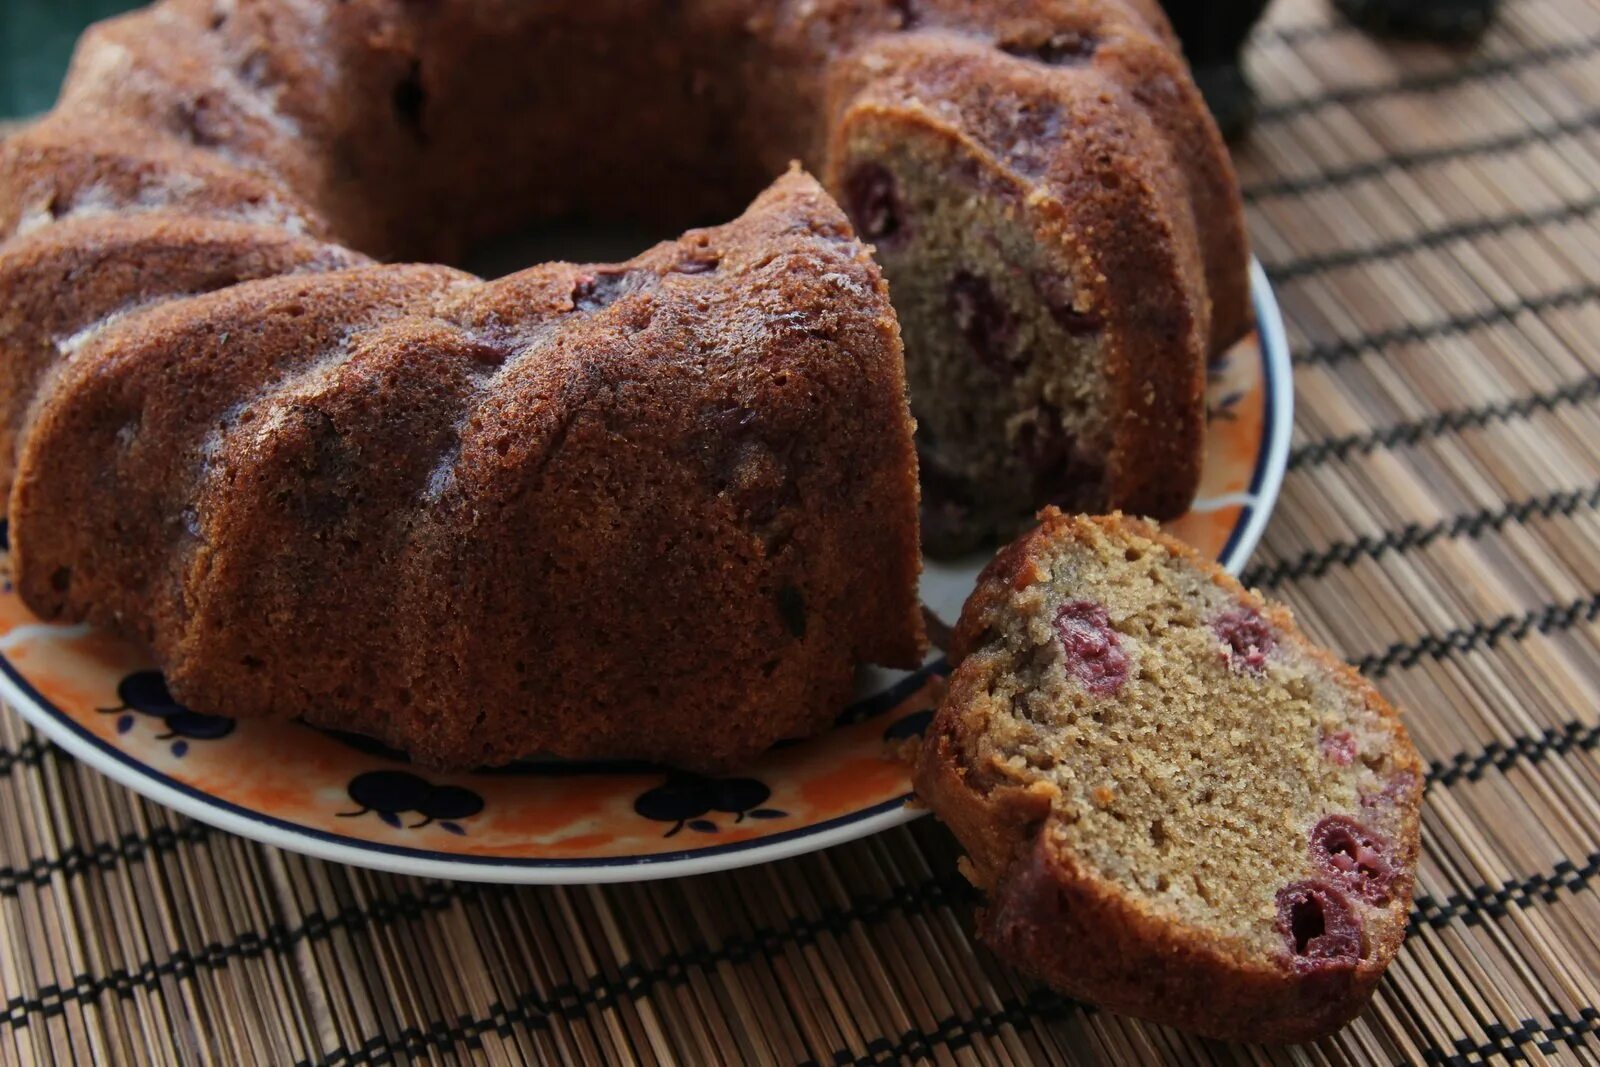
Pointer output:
x,y
1063,254
1178,806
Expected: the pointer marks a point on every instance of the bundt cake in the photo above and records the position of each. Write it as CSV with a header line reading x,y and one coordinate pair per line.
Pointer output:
x,y
659,508
238,438
1178,807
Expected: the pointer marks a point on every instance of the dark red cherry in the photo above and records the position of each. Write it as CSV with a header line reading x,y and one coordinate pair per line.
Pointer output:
x,y
1320,928
1338,747
983,320
1247,636
873,197
1355,857
1094,652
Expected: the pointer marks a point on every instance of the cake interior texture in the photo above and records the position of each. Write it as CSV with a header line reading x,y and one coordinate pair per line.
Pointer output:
x,y
1215,768
1009,373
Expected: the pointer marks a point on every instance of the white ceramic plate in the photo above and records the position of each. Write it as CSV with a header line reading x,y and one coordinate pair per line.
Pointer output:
x,y
349,800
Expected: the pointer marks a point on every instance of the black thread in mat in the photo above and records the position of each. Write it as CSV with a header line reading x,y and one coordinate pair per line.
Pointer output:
x,y
30,753
1445,422
1470,70
1345,348
939,890
946,890
955,1033
1551,618
52,999
104,856
1043,1005
1504,1042
1466,230
1503,755
1482,903
1321,181
633,981
1315,563
571,998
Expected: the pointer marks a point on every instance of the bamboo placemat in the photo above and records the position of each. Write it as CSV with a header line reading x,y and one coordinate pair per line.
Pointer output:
x,y
1430,219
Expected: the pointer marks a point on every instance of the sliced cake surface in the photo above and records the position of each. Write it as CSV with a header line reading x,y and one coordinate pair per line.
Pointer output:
x,y
1179,807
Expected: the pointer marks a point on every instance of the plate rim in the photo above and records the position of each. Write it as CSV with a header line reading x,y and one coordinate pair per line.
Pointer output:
x,y
1261,499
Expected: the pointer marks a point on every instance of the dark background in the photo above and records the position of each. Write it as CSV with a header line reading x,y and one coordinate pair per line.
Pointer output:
x,y
36,39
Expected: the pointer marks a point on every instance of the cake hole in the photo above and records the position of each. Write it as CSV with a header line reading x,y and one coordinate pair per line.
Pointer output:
x,y
1070,48
252,663
198,121
1073,322
408,100
792,610
699,264
592,292
61,579
1306,923
253,69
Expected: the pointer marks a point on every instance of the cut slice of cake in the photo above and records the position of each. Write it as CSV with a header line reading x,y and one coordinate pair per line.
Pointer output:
x,y
1179,807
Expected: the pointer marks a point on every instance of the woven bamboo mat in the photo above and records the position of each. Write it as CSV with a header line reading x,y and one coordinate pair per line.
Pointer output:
x,y
1430,218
